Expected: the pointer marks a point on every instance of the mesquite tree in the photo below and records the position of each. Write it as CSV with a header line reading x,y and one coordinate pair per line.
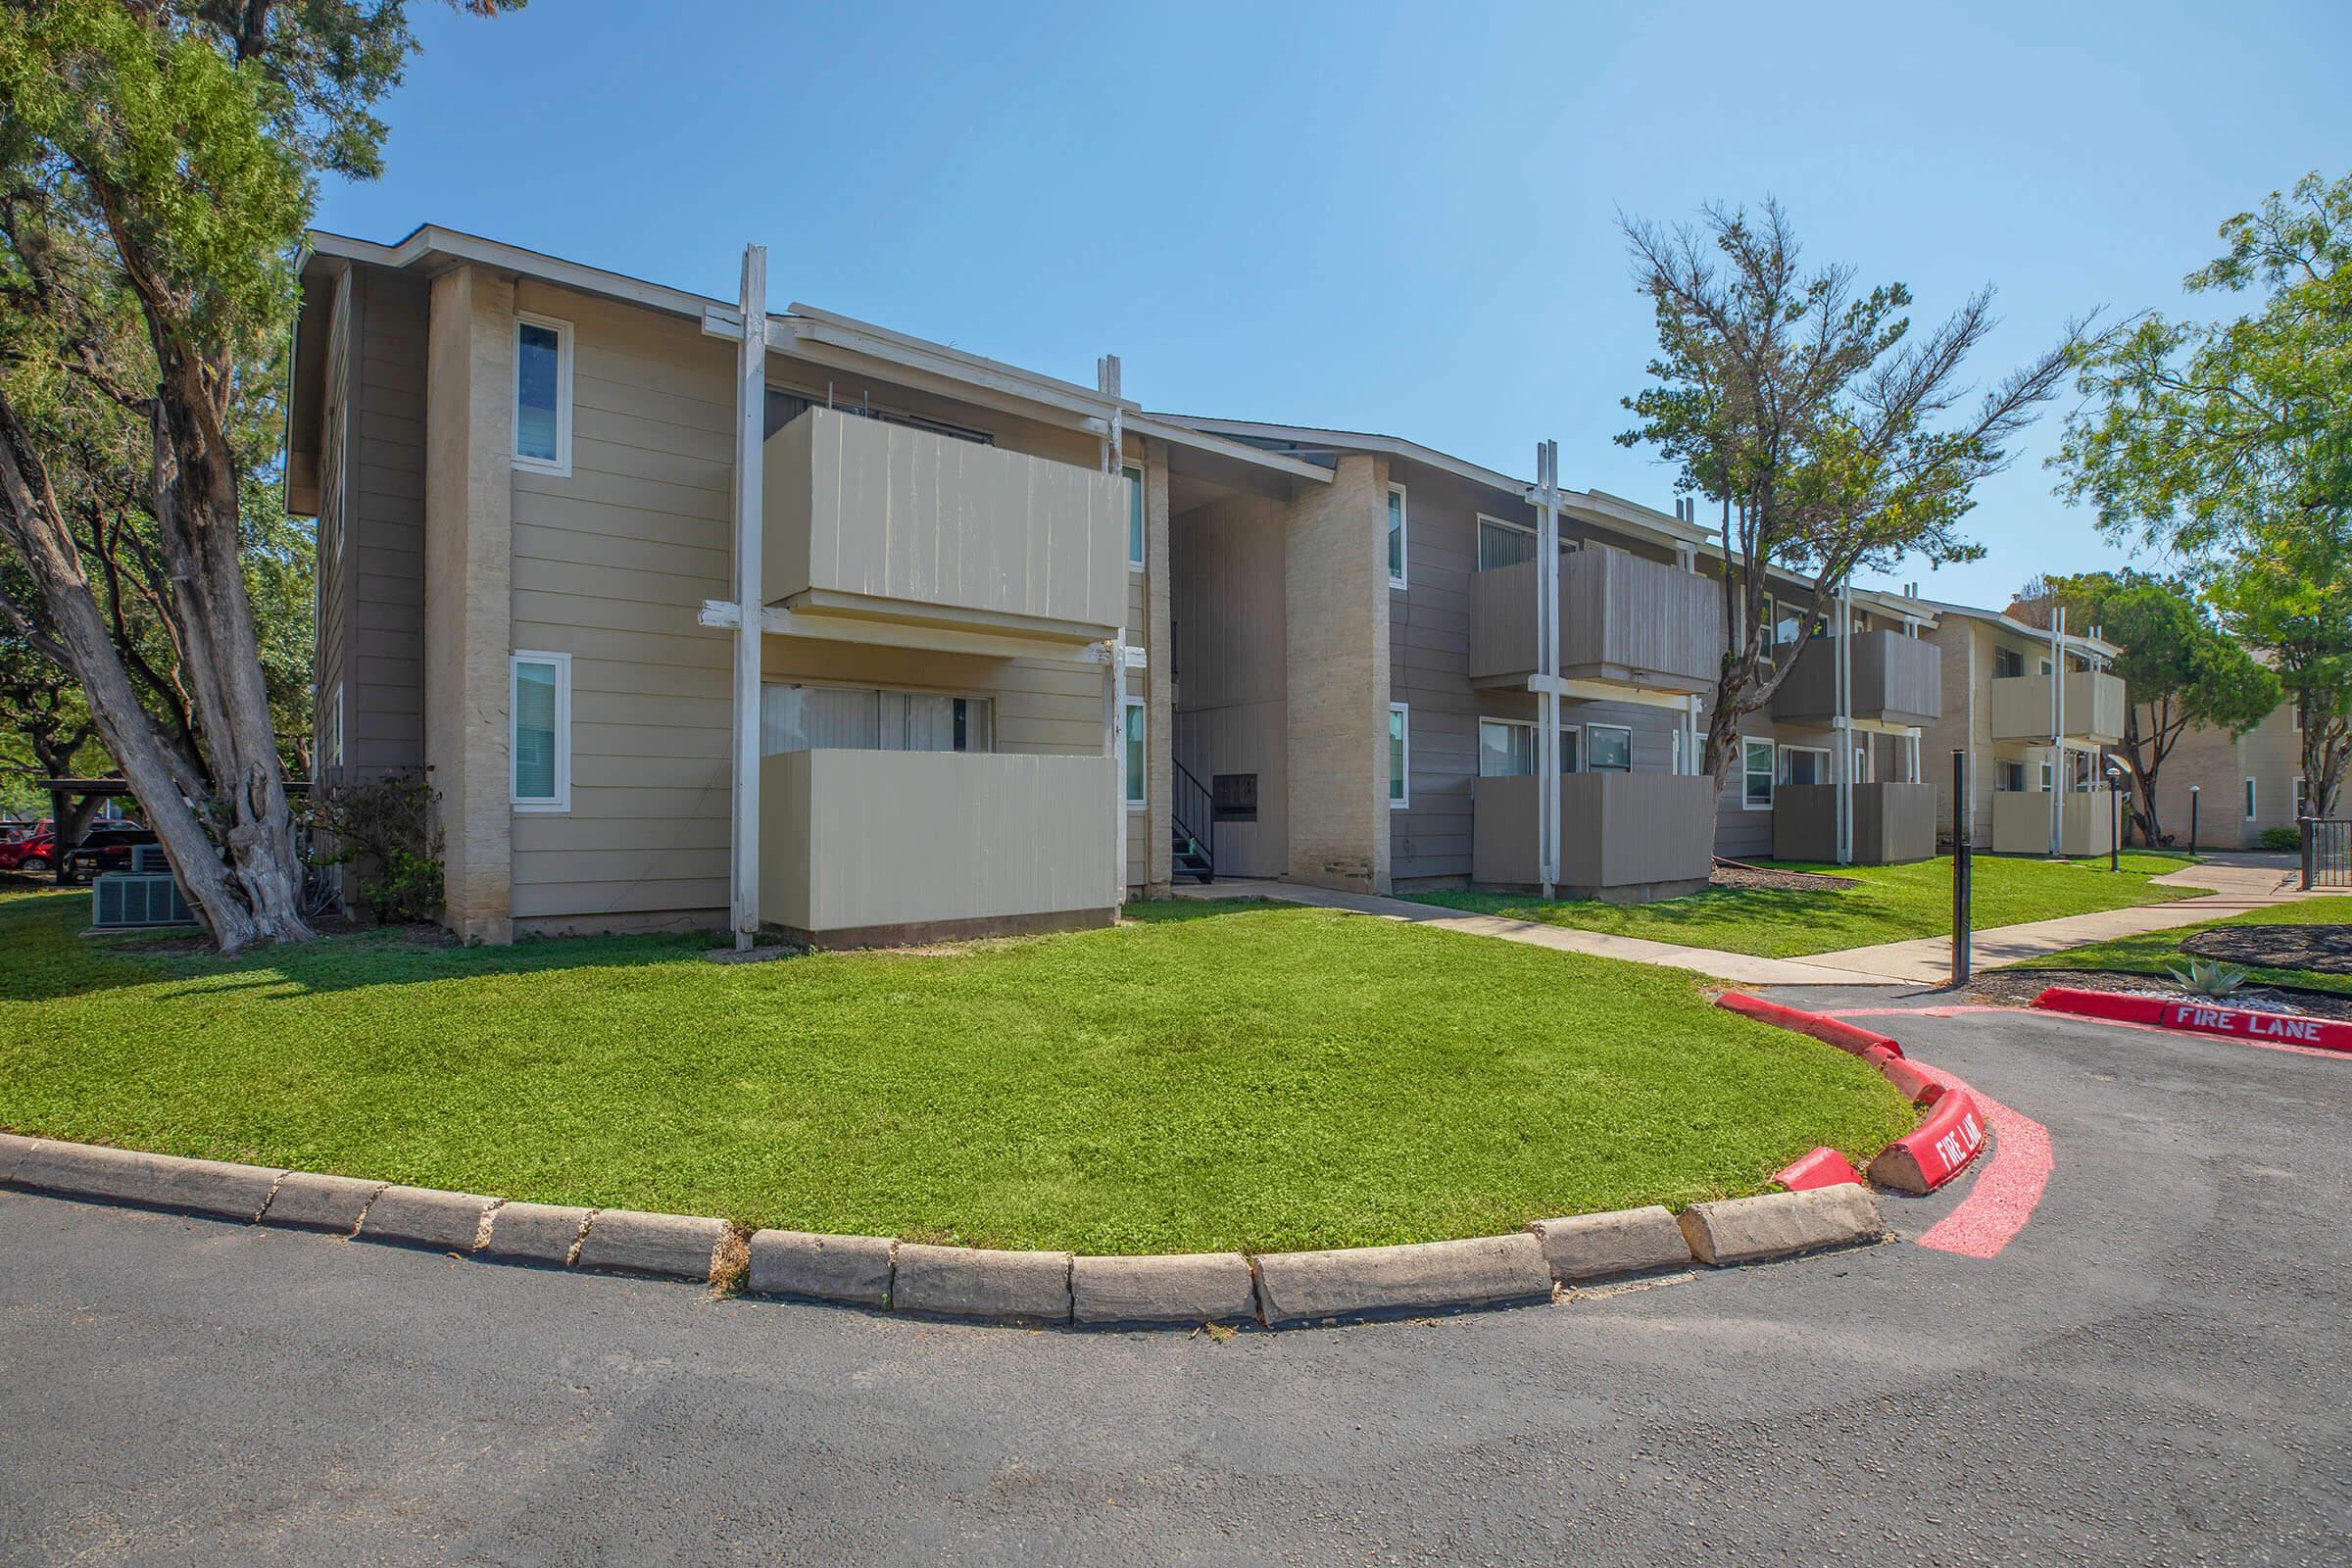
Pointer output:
x,y
1828,435
2231,443
158,159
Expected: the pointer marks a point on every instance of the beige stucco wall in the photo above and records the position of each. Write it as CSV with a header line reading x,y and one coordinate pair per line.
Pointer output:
x,y
1336,647
467,562
2219,765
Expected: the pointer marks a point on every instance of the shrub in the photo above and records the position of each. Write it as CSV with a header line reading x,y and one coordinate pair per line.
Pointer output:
x,y
388,831
2206,977
2289,839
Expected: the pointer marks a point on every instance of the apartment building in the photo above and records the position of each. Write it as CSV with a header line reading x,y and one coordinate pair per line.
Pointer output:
x,y
702,614
1362,692
2242,785
2034,710
1831,769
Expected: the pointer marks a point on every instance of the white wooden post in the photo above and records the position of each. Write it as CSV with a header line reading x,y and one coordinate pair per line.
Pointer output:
x,y
2057,724
1114,684
751,399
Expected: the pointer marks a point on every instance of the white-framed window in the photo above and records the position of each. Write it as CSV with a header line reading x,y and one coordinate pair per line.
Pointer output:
x,y
2009,777
1756,773
2049,778
1504,543
1772,627
1400,755
1805,764
2045,666
1132,754
1506,748
541,394
539,731
1396,527
2249,800
1608,749
1572,749
1135,516
330,744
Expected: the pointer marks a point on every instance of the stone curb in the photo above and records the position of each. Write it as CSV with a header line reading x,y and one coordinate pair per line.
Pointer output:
x,y
428,1217
672,1247
974,1282
1427,1276
1757,1230
1272,1289
149,1181
1190,1288
305,1201
1627,1242
854,1271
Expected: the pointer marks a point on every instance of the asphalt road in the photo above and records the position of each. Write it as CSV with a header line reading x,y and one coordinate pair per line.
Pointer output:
x,y
2156,1369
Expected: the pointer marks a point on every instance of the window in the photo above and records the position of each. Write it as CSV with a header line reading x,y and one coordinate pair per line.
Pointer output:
x,y
1132,750
2009,776
846,719
1805,764
1506,748
1755,760
1135,516
1861,774
2007,661
541,394
1396,536
330,744
1504,543
2050,777
2302,799
2249,800
1772,627
539,732
1233,797
1612,747
2045,666
1400,755
1572,749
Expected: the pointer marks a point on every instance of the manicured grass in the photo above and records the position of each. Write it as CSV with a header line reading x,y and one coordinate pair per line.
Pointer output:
x,y
1892,903
1203,1076
2150,953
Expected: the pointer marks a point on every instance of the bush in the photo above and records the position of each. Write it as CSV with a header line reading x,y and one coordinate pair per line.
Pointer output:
x,y
2289,839
388,831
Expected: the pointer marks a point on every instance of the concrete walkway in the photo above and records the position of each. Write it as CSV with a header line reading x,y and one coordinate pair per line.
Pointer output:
x,y
2238,883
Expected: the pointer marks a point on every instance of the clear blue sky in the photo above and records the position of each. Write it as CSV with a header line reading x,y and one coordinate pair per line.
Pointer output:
x,y
1380,218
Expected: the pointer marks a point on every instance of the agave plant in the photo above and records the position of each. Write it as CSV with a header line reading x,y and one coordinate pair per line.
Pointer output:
x,y
2206,977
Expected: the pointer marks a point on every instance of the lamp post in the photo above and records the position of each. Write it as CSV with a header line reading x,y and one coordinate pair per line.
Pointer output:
x,y
2114,839
2192,821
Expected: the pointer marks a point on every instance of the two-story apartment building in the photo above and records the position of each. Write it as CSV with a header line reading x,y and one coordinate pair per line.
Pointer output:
x,y
2034,710
2244,785
1362,689
547,495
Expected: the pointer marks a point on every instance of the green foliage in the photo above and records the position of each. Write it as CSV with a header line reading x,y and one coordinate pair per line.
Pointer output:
x,y
388,831
2232,442
2288,840
2206,977
1202,1076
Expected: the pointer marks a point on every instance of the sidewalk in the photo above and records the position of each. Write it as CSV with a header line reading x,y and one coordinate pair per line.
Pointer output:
x,y
2238,884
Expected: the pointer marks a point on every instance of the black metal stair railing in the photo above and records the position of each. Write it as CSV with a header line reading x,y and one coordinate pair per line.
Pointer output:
x,y
1193,818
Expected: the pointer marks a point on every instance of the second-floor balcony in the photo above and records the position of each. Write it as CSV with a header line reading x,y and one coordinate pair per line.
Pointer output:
x,y
1624,620
871,526
1897,680
2091,707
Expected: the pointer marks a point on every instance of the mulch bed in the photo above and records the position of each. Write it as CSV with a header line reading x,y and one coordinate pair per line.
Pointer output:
x,y
2325,949
2017,987
1757,876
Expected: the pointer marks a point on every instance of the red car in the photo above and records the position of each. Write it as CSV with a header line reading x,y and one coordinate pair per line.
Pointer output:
x,y
34,853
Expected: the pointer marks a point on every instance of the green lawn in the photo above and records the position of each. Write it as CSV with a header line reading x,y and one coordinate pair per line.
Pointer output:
x,y
2148,954
1203,1076
1891,904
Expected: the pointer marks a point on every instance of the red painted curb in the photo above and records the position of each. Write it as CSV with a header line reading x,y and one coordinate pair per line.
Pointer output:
x,y
2199,1018
1824,1167
1829,1031
1946,1141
